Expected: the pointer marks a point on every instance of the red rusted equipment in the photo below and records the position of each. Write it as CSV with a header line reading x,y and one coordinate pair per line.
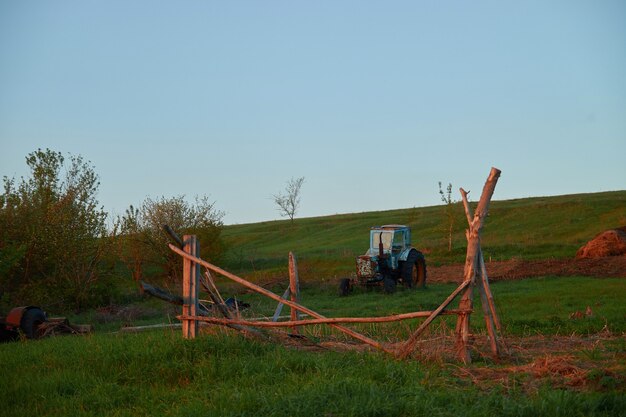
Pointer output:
x,y
25,319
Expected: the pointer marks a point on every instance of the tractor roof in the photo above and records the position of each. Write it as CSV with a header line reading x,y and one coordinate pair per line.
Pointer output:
x,y
390,227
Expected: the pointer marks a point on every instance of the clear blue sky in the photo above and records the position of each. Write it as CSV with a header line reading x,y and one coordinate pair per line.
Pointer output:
x,y
372,102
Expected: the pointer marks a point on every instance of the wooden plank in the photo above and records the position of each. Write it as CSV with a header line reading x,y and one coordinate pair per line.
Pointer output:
x,y
275,297
279,307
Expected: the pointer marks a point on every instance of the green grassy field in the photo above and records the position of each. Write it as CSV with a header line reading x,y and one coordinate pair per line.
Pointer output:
x,y
162,374
532,228
553,366
159,373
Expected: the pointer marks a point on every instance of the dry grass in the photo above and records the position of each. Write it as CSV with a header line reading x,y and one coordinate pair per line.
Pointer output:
x,y
580,363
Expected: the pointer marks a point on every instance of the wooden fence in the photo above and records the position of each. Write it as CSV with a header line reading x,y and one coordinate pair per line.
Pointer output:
x,y
475,276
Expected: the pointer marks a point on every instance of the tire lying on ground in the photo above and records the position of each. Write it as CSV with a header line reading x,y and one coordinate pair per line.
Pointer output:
x,y
31,320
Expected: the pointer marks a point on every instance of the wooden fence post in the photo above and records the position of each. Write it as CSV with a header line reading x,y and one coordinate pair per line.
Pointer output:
x,y
473,263
190,286
294,288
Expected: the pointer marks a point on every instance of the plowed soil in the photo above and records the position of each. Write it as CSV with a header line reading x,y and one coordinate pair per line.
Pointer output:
x,y
612,266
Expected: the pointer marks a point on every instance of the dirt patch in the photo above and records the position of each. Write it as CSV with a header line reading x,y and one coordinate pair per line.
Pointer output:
x,y
609,243
610,266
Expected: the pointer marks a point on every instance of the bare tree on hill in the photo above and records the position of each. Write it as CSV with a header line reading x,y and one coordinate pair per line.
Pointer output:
x,y
289,202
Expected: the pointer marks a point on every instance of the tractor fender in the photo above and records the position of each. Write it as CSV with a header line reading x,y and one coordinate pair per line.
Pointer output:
x,y
404,255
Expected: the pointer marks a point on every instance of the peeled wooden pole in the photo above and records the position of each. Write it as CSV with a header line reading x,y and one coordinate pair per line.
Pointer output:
x,y
492,322
190,286
275,297
472,263
468,210
334,320
489,324
492,305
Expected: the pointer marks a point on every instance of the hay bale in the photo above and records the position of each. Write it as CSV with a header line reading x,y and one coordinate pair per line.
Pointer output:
x,y
608,243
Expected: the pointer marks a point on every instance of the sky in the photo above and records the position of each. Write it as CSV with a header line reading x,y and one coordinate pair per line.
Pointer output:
x,y
373,102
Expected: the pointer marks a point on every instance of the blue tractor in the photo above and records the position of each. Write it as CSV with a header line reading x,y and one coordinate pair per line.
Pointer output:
x,y
390,259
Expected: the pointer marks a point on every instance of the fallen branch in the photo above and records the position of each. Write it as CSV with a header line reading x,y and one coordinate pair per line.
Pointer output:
x,y
161,294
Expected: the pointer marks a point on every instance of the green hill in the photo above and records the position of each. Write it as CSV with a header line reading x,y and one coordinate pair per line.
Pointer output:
x,y
529,228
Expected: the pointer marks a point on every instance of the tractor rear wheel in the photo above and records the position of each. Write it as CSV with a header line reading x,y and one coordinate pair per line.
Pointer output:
x,y
414,270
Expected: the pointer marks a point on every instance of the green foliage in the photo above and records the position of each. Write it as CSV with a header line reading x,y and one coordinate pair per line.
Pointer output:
x,y
52,234
143,241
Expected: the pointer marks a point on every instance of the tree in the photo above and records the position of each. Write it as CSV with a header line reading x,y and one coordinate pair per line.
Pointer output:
x,y
449,212
130,243
144,241
289,203
53,233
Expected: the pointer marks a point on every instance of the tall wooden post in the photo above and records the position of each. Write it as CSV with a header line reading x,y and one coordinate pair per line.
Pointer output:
x,y
473,264
190,286
294,288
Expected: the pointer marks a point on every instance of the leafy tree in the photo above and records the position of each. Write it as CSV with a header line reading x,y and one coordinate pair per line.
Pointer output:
x,y
53,233
145,241
289,202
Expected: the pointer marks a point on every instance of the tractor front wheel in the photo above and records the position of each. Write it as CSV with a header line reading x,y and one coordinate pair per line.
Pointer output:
x,y
345,286
414,270
389,285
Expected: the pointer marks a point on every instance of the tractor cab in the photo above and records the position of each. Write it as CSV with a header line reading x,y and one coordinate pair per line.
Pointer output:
x,y
394,239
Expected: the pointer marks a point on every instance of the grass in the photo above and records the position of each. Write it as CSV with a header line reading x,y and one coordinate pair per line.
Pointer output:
x,y
530,228
162,374
159,373
539,305
534,306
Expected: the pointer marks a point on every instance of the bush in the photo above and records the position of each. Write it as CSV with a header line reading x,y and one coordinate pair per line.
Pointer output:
x,y
53,233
